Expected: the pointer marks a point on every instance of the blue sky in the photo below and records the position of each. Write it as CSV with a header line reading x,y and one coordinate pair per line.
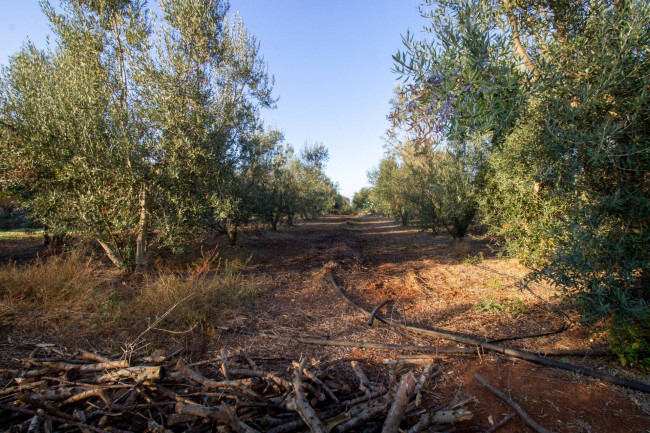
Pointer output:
x,y
331,61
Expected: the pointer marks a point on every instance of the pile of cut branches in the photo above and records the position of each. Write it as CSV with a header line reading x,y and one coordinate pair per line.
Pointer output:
x,y
64,390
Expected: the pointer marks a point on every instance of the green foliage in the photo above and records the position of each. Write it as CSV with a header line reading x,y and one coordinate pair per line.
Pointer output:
x,y
341,205
495,285
630,341
509,306
362,200
390,190
142,131
548,103
292,186
125,130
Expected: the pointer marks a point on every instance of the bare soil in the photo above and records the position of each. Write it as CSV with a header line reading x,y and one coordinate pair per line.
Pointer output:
x,y
467,289
431,284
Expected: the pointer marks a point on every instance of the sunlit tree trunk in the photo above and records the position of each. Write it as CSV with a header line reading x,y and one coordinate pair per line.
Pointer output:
x,y
142,254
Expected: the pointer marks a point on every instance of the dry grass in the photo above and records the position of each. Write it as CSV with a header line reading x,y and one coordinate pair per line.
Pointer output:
x,y
196,296
73,296
49,291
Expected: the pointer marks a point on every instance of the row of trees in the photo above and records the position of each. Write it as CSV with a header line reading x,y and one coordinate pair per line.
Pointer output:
x,y
143,130
533,115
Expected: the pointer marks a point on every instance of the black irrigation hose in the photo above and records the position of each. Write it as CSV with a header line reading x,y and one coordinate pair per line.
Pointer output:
x,y
524,337
517,353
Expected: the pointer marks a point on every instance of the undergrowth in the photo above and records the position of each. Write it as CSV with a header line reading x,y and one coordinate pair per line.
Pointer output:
x,y
51,291
75,296
630,342
509,306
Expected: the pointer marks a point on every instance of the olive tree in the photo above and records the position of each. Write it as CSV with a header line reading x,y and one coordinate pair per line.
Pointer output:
x,y
554,98
124,130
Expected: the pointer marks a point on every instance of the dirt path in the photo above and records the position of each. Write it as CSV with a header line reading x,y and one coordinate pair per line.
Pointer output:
x,y
430,284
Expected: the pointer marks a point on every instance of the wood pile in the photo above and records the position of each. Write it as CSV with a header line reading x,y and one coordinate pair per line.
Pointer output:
x,y
69,391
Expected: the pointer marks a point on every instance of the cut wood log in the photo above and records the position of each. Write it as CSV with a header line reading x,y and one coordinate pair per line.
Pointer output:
x,y
136,374
364,383
528,420
398,408
303,407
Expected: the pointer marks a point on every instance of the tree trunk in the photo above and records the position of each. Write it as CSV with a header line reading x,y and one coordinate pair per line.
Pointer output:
x,y
231,231
143,256
290,219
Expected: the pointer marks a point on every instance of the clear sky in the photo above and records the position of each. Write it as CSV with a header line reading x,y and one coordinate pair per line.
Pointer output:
x,y
331,61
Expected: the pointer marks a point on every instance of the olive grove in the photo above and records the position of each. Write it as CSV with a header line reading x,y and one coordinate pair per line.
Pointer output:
x,y
140,130
539,112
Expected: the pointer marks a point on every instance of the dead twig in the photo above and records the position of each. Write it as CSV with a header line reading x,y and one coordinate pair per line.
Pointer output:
x,y
528,420
501,423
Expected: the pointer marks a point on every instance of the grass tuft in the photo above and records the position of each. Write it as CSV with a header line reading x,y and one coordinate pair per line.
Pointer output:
x,y
52,290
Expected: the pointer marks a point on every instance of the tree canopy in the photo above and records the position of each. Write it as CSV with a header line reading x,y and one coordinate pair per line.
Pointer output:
x,y
140,130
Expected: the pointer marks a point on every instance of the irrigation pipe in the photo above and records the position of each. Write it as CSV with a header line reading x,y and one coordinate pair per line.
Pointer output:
x,y
516,353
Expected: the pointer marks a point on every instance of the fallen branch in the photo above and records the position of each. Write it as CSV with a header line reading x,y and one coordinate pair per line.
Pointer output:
x,y
51,417
364,383
136,374
214,384
528,420
303,407
402,397
500,349
376,407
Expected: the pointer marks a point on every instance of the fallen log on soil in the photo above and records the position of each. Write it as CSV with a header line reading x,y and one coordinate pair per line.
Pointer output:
x,y
516,353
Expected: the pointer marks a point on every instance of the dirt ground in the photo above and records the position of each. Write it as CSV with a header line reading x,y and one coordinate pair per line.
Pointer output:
x,y
429,283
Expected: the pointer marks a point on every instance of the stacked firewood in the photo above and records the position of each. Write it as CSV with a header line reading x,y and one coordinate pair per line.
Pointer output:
x,y
82,391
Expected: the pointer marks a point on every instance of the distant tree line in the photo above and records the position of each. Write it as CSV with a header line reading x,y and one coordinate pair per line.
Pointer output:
x,y
533,116
142,131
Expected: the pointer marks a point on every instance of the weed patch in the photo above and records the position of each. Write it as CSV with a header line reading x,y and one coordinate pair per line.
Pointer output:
x,y
509,306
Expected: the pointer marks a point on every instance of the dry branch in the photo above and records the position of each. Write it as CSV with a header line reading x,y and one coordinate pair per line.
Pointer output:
x,y
145,397
51,417
501,423
136,374
303,408
364,383
398,408
528,420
